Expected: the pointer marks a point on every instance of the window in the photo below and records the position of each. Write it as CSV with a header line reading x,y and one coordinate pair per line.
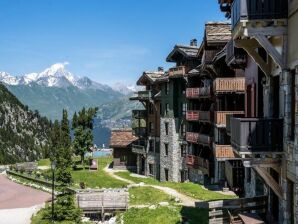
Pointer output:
x,y
183,130
151,169
167,88
183,150
151,126
157,148
166,149
151,108
167,128
151,146
166,174
184,108
167,109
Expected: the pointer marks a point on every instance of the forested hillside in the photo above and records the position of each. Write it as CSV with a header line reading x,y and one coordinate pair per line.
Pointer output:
x,y
23,133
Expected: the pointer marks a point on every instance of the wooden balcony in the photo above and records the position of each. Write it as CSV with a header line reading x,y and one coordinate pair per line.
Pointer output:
x,y
205,140
139,148
192,115
196,93
198,163
229,85
246,10
192,137
142,95
221,117
257,135
178,71
223,151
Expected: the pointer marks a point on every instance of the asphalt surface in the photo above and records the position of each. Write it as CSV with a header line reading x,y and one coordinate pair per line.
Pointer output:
x,y
13,195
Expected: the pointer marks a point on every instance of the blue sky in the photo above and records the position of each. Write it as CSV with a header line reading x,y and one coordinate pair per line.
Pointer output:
x,y
109,41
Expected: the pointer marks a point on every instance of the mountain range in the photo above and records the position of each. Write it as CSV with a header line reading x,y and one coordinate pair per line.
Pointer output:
x,y
56,88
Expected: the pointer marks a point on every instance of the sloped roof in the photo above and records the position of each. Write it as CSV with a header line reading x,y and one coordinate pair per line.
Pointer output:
x,y
122,138
185,51
149,76
217,32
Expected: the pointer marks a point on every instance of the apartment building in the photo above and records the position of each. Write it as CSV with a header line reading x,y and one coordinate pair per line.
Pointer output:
x,y
146,124
266,137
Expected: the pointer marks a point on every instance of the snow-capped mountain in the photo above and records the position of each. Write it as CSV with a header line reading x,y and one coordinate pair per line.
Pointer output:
x,y
126,89
55,76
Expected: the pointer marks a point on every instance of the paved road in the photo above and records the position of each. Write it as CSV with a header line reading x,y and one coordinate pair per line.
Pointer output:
x,y
18,202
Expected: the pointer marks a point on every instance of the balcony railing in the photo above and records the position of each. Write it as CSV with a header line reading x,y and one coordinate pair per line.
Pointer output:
x,y
197,162
142,95
225,85
139,148
223,151
192,137
257,134
258,10
221,117
177,71
195,93
204,116
204,139
192,115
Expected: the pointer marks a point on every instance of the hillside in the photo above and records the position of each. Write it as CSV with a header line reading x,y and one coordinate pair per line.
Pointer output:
x,y
23,133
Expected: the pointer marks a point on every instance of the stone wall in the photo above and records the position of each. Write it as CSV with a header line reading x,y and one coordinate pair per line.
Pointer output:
x,y
173,161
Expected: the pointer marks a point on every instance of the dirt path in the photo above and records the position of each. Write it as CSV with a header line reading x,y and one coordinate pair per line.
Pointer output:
x,y
185,200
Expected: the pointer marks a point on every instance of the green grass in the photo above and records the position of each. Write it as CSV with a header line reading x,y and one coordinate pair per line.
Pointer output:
x,y
190,189
97,179
147,196
165,215
44,162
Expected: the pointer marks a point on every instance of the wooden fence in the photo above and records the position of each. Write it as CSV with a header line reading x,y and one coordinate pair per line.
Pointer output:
x,y
219,210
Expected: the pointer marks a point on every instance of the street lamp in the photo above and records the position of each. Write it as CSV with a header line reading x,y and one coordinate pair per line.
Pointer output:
x,y
53,167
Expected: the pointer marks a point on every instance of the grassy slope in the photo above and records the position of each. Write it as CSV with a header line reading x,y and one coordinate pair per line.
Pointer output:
x,y
97,179
193,190
165,215
147,196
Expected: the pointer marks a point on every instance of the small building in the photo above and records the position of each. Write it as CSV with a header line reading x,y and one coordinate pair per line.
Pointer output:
x,y
121,142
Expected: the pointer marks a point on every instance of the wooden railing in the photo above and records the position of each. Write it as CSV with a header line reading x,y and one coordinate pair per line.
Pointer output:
x,y
219,210
229,85
192,115
192,137
204,139
221,117
223,151
258,10
142,95
176,71
257,134
197,162
195,93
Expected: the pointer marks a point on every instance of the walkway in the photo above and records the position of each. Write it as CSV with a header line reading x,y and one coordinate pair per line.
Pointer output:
x,y
185,200
18,202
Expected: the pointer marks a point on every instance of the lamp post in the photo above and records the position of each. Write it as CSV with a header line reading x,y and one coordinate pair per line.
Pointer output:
x,y
53,167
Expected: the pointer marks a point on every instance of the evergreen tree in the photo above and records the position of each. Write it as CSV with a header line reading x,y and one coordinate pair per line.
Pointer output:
x,y
83,126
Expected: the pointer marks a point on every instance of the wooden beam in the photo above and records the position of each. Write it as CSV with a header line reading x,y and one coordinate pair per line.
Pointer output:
x,y
266,31
250,45
269,180
275,55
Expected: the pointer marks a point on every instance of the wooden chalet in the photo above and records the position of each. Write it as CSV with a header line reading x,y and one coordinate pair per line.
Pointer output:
x,y
121,141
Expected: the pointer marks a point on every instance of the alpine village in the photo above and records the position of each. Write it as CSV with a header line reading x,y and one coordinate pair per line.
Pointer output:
x,y
214,139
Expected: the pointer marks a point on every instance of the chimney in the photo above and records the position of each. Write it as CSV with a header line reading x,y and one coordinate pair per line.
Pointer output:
x,y
160,69
194,43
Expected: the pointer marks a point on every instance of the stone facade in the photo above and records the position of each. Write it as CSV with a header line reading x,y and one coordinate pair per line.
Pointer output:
x,y
170,158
